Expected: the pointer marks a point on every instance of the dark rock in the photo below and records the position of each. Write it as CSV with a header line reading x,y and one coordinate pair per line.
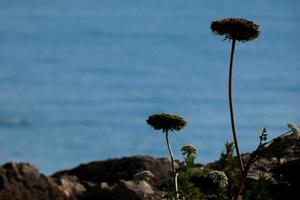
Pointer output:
x,y
97,191
281,151
112,179
113,170
19,181
280,163
287,176
71,186
130,190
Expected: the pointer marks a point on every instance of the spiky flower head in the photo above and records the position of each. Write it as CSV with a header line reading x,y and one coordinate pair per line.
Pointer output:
x,y
219,178
295,129
143,176
166,122
189,149
235,28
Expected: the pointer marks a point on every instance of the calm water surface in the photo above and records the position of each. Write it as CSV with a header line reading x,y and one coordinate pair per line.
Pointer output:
x,y
78,79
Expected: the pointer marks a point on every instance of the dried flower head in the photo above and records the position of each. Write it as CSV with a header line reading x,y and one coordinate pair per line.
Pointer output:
x,y
295,129
143,176
166,122
219,178
189,149
236,28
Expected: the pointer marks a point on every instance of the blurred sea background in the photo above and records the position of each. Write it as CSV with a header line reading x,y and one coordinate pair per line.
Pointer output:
x,y
78,79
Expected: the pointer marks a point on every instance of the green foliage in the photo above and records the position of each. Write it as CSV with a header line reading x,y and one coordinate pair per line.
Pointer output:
x,y
189,154
170,194
228,164
227,181
229,177
187,189
220,188
220,179
258,190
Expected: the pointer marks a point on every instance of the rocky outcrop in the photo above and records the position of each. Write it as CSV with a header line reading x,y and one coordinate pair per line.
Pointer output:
x,y
282,150
135,191
113,179
110,179
280,162
113,170
19,181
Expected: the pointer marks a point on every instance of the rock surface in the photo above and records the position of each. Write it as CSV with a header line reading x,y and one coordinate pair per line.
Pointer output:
x,y
19,181
282,150
113,179
113,170
281,163
135,191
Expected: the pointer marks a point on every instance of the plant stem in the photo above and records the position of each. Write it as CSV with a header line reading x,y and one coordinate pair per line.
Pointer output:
x,y
253,157
231,107
283,134
172,164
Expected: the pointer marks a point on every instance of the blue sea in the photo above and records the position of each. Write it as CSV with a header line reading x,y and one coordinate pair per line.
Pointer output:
x,y
78,79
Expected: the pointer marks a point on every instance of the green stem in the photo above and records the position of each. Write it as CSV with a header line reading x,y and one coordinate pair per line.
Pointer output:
x,y
172,164
231,107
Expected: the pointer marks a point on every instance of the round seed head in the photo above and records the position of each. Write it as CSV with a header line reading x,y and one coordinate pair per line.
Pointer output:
x,y
236,28
189,149
166,122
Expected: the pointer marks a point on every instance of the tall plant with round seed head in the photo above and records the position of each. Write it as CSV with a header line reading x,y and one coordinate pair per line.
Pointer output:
x,y
235,29
166,123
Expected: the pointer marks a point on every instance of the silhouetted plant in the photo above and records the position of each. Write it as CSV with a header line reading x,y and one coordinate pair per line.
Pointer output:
x,y
255,155
241,30
236,29
294,131
166,123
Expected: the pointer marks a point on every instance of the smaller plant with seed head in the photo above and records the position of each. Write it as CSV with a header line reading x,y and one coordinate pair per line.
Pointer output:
x,y
187,189
189,149
143,176
166,123
189,154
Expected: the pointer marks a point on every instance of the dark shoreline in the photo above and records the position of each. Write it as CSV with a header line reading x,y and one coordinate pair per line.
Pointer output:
x,y
113,178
